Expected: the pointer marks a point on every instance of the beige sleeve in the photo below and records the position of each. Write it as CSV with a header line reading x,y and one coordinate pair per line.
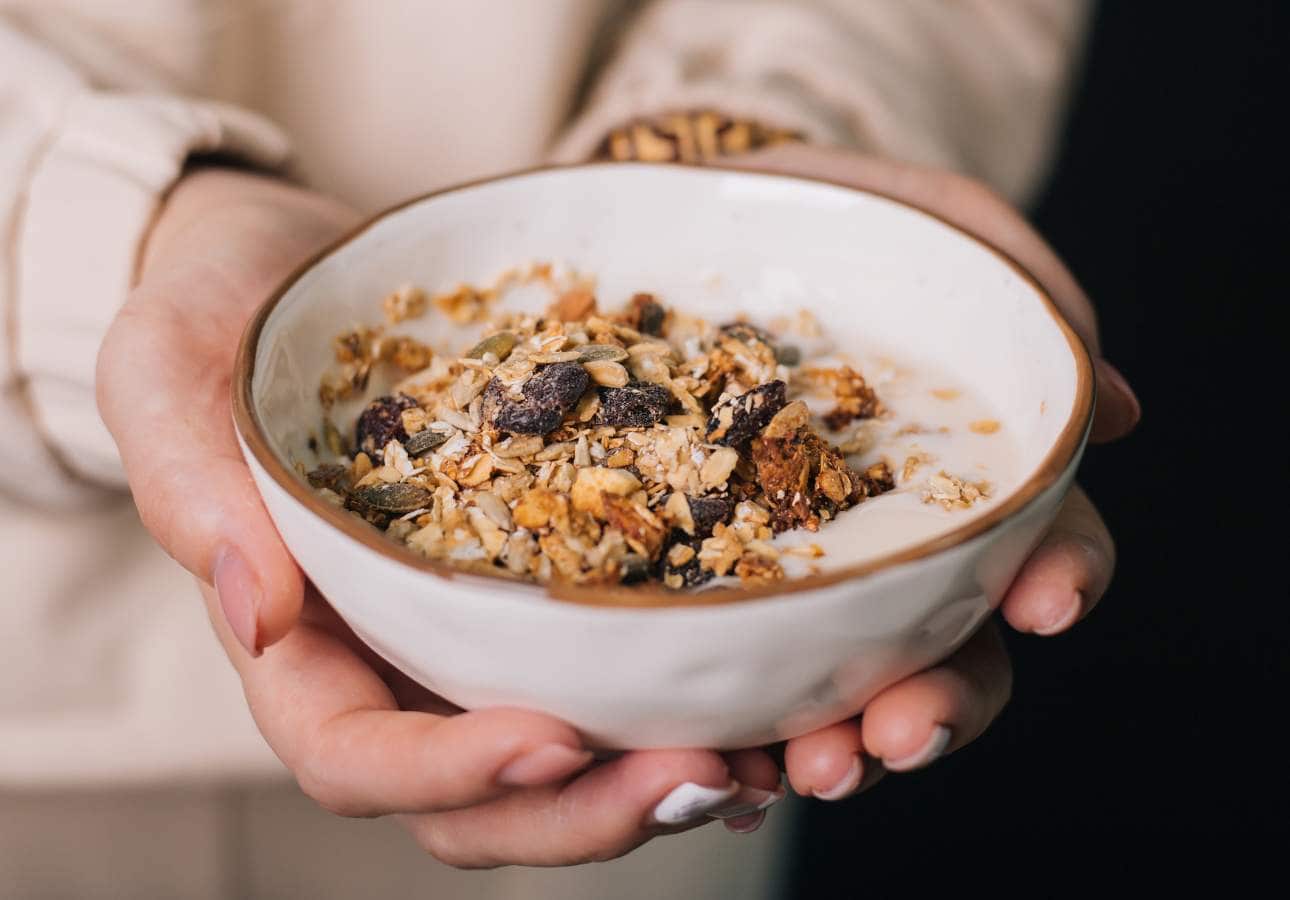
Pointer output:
x,y
83,165
972,85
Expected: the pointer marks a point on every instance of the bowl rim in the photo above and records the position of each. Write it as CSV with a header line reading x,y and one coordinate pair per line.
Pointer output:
x,y
1060,455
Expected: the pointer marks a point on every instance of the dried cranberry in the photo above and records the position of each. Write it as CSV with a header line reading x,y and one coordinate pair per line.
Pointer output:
x,y
708,512
648,314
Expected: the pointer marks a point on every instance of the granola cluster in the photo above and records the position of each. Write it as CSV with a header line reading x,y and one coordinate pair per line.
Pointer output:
x,y
594,448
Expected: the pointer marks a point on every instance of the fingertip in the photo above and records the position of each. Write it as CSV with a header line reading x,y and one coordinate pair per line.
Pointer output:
x,y
1118,409
821,764
1060,583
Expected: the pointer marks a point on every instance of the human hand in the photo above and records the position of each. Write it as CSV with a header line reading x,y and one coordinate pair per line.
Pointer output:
x,y
940,710
476,789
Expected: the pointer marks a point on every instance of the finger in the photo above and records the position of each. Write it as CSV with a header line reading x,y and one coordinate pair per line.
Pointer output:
x,y
600,815
1066,575
163,384
828,764
755,769
937,711
334,723
976,209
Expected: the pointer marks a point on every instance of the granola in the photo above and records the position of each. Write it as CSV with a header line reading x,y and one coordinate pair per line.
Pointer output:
x,y
640,446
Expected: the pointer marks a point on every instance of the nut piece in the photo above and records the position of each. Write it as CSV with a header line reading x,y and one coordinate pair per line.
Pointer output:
x,y
736,420
788,421
573,306
595,480
607,373
717,467
537,508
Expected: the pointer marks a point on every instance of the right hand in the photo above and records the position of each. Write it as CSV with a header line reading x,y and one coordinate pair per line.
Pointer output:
x,y
481,788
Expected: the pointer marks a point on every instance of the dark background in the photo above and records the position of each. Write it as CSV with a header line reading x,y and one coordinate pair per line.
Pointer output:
x,y
1145,741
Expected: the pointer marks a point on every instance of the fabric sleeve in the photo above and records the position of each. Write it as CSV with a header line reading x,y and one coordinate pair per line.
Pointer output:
x,y
972,85
83,167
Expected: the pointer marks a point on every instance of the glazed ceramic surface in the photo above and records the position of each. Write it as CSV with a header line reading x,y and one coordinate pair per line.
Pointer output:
x,y
759,666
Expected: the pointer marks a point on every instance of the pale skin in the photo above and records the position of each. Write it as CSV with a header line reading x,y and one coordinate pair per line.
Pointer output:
x,y
497,787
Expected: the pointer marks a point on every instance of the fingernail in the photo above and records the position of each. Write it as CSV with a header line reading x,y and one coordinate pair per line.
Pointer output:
x,y
690,802
746,824
546,764
1064,618
1128,410
934,747
846,785
239,597
746,801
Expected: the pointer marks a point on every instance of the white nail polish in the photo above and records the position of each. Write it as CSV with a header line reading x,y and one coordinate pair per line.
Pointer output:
x,y
689,801
934,747
848,783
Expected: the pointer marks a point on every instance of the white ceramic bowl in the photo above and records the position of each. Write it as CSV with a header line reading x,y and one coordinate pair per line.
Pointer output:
x,y
679,669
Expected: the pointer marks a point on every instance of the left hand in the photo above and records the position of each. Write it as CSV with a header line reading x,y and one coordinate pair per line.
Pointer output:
x,y
937,711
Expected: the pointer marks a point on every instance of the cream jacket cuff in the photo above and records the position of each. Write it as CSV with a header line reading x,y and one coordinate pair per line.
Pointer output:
x,y
90,199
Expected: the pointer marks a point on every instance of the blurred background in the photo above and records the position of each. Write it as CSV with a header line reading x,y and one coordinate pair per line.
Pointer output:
x,y
1147,734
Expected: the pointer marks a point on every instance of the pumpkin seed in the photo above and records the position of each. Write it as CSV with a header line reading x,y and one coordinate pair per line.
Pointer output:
x,y
423,442
596,352
500,344
395,499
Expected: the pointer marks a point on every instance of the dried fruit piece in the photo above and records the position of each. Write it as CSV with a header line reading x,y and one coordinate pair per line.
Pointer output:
x,y
382,422
392,499
552,392
682,570
639,404
708,512
647,315
737,420
634,568
423,442
595,352
499,343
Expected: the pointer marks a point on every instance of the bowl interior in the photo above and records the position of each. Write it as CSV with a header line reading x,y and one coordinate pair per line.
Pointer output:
x,y
715,243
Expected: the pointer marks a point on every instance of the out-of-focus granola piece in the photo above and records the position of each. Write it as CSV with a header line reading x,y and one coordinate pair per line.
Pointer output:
x,y
382,422
406,302
756,569
407,353
646,314
735,420
463,305
332,476
573,305
984,426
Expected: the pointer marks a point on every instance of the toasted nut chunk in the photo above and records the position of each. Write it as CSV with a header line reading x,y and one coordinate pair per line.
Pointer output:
x,y
788,421
717,467
536,509
607,373
594,480
573,305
